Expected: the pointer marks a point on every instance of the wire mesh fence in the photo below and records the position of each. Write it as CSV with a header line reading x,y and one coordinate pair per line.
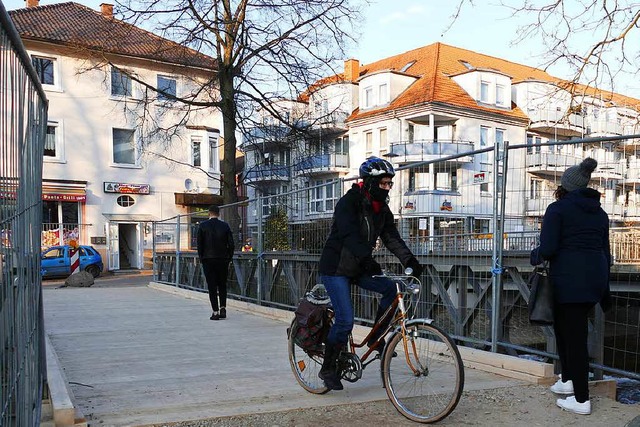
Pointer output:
x,y
23,120
471,221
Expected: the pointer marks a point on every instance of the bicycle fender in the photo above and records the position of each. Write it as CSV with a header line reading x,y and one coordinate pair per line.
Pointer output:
x,y
395,331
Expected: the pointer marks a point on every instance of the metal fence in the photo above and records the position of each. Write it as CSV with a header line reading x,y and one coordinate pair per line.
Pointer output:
x,y
473,234
23,121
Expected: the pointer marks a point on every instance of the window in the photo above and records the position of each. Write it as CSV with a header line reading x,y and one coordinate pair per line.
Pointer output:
x,y
529,144
368,144
484,92
124,151
499,136
52,148
342,145
384,143
383,94
500,95
323,197
44,69
125,201
535,189
410,132
368,97
120,83
484,136
213,152
168,86
195,152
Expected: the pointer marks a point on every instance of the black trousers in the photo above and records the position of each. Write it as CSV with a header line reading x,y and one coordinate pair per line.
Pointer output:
x,y
216,272
572,329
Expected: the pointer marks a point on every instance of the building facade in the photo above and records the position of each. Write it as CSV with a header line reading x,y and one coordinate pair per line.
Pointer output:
x,y
119,154
441,101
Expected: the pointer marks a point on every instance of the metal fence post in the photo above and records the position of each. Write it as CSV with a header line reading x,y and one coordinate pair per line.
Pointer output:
x,y
177,281
260,258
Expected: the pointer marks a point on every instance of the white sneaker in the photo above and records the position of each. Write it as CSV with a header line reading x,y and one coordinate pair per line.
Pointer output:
x,y
570,404
561,387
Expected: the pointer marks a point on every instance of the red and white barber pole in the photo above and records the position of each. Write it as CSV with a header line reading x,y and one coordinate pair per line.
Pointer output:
x,y
75,256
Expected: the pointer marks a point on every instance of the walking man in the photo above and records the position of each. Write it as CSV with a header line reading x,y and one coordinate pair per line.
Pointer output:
x,y
215,250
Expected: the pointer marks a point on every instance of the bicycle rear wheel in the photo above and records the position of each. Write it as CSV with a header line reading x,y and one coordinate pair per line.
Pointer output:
x,y
305,366
431,390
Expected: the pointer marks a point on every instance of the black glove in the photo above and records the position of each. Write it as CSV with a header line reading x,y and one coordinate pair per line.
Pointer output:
x,y
371,267
415,266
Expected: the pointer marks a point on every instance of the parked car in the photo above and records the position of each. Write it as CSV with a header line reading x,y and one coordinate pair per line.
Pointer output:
x,y
56,261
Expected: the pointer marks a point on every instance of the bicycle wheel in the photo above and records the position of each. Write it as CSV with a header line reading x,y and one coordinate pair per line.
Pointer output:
x,y
305,366
431,390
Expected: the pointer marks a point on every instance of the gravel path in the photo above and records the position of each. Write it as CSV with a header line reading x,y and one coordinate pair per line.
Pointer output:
x,y
514,406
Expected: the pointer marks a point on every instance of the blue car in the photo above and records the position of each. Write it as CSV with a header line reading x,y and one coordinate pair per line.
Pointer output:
x,y
56,261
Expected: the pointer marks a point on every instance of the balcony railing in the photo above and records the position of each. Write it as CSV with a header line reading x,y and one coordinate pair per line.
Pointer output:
x,y
552,118
268,173
537,207
422,150
551,161
322,162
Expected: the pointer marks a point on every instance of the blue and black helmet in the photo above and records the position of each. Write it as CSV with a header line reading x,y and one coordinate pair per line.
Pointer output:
x,y
375,167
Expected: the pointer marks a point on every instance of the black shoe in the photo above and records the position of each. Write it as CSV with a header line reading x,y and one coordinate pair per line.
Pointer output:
x,y
223,313
331,380
214,316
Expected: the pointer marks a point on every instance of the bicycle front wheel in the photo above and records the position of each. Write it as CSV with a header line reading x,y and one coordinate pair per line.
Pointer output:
x,y
305,365
426,378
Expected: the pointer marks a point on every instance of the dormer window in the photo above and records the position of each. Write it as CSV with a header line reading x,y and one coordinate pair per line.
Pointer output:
x,y
484,92
500,95
466,64
383,94
368,97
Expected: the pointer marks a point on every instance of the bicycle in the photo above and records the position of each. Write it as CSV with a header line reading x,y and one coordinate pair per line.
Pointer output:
x,y
421,368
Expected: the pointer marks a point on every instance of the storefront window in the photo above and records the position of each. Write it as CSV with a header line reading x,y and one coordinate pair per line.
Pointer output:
x,y
60,222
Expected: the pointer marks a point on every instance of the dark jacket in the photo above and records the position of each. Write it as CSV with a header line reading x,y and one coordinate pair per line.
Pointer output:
x,y
215,240
353,235
575,240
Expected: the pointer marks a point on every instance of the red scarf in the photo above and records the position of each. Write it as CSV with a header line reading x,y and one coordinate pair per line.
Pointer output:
x,y
377,206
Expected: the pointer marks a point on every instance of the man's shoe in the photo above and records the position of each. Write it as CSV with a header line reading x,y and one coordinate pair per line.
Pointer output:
x,y
214,316
223,313
572,405
331,380
561,387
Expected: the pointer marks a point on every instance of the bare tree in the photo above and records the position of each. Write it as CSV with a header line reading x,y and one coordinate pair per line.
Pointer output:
x,y
265,50
596,39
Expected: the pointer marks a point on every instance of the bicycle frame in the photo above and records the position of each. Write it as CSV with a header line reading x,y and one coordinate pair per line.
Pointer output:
x,y
397,309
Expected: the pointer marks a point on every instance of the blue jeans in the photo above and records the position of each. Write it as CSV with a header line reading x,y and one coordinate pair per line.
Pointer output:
x,y
339,291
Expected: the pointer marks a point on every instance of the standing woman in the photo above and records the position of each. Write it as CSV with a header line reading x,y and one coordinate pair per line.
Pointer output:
x,y
575,240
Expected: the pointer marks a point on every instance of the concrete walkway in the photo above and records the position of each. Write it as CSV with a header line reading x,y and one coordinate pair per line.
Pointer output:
x,y
140,355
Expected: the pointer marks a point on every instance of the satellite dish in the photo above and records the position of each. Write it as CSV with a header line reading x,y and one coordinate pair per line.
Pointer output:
x,y
188,184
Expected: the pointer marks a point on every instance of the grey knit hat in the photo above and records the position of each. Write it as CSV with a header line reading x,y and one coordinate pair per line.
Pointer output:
x,y
578,176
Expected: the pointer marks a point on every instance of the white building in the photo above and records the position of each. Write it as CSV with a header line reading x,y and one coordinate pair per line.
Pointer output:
x,y
439,100
119,154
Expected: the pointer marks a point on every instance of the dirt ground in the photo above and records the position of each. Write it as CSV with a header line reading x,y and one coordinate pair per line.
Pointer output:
x,y
514,406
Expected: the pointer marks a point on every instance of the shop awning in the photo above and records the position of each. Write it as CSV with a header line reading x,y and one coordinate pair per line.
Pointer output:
x,y
130,217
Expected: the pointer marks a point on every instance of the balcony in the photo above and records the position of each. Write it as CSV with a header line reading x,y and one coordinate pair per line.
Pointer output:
x,y
616,211
548,163
266,135
323,163
267,173
444,203
603,126
537,207
423,150
556,122
331,122
632,175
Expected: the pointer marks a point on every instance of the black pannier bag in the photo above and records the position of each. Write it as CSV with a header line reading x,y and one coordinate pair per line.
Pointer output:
x,y
313,319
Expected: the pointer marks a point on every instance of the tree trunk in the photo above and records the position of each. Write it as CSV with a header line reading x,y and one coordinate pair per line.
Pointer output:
x,y
228,164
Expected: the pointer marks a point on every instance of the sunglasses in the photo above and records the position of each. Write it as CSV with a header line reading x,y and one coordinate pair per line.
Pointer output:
x,y
388,184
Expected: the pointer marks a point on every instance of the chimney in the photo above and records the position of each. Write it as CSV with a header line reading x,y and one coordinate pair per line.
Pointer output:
x,y
33,3
351,70
107,10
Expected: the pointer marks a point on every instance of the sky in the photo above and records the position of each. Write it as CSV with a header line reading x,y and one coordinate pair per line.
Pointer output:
x,y
391,27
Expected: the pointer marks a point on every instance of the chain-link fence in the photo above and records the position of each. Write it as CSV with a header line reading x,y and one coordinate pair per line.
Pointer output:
x,y
23,121
471,221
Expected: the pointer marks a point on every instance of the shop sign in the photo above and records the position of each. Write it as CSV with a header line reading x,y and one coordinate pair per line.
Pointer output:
x,y
61,197
121,187
479,178
410,206
446,206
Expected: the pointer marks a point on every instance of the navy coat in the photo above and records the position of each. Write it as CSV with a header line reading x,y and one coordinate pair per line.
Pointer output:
x,y
354,232
575,240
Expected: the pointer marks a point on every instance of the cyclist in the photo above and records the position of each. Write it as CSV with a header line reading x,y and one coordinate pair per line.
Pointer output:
x,y
360,217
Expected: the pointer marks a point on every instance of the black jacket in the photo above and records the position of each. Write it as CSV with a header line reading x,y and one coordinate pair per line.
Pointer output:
x,y
353,235
575,240
215,240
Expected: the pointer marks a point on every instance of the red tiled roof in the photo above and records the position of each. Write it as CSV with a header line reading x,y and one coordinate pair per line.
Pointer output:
x,y
72,24
435,63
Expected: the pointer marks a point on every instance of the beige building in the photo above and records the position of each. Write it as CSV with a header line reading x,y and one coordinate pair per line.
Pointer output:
x,y
119,154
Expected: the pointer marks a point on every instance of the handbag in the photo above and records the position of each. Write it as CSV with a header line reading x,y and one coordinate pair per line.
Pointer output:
x,y
541,297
